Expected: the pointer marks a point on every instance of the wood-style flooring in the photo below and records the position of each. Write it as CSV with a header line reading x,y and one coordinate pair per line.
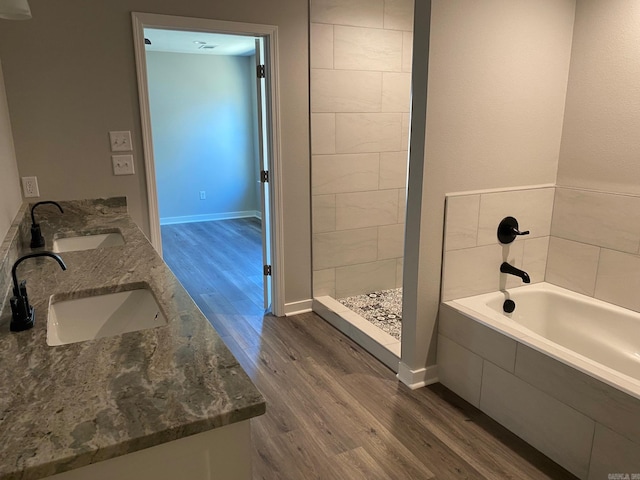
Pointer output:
x,y
334,411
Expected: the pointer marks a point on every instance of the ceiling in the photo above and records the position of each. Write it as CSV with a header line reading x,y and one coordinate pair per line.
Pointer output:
x,y
178,41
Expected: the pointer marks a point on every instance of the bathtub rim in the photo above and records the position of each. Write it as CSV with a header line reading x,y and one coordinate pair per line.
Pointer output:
x,y
607,375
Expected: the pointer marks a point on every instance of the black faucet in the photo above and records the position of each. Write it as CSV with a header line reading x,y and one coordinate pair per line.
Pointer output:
x,y
37,240
23,315
511,270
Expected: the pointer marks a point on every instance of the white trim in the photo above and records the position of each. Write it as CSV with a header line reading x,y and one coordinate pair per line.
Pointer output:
x,y
270,32
209,217
295,308
417,378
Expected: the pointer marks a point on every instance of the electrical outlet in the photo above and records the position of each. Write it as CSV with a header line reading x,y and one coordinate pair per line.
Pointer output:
x,y
120,141
122,164
30,187
203,195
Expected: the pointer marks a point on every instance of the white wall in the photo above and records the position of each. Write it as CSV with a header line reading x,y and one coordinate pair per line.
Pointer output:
x,y
10,198
203,134
497,81
601,136
70,79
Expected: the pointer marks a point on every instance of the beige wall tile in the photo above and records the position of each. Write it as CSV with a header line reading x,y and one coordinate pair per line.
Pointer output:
x,y
398,14
399,271
461,227
459,370
365,277
363,13
472,271
324,282
479,339
396,92
613,454
407,51
607,405
393,170
531,207
345,173
321,46
368,132
323,133
324,213
402,205
405,130
365,209
534,260
555,429
572,265
391,241
591,217
345,91
618,279
348,247
367,49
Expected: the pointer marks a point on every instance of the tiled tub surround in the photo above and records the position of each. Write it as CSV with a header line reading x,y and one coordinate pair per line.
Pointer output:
x,y
534,387
360,96
68,406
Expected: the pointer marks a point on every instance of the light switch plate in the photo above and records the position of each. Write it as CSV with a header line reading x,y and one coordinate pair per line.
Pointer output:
x,y
120,141
122,164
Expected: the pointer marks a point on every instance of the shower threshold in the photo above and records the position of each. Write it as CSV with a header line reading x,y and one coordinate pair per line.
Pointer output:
x,y
379,343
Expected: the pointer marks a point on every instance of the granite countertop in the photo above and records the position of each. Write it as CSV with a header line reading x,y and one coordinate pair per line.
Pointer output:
x,y
67,406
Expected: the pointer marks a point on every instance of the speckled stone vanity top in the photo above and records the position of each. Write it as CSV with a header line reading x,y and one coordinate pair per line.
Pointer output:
x,y
67,406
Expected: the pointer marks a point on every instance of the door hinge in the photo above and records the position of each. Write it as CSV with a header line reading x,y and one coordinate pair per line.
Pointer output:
x,y
260,71
267,269
264,176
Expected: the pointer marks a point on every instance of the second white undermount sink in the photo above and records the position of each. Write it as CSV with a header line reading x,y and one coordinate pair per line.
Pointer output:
x,y
99,316
88,242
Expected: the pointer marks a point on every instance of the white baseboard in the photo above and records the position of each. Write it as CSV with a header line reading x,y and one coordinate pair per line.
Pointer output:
x,y
208,217
417,378
295,308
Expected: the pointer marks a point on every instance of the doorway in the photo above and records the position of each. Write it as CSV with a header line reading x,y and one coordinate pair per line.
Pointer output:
x,y
207,103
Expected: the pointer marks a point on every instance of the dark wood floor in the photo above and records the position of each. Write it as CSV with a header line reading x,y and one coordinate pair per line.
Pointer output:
x,y
333,411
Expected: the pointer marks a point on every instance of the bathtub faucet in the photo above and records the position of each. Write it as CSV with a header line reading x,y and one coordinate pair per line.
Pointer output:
x,y
511,270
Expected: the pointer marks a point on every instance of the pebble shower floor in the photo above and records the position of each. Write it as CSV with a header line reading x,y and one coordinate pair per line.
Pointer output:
x,y
382,308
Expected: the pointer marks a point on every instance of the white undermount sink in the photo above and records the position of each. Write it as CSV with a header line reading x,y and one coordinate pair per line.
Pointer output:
x,y
87,242
100,316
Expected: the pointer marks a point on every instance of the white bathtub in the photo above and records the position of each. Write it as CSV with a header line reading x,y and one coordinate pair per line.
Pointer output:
x,y
598,338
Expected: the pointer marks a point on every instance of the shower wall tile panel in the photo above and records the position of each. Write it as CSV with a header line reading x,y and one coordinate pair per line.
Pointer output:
x,y
390,241
360,98
347,91
613,453
366,209
532,208
393,170
348,247
398,14
597,218
324,282
380,275
534,258
396,88
368,132
345,173
573,265
363,13
618,279
461,222
357,48
324,213
323,136
321,46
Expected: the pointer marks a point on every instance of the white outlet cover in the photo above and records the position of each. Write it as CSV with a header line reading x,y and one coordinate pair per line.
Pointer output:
x,y
30,187
122,164
120,141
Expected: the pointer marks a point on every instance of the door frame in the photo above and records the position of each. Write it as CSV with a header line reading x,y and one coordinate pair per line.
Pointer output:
x,y
141,21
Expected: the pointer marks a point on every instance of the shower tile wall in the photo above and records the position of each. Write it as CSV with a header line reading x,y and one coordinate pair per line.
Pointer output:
x,y
360,96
